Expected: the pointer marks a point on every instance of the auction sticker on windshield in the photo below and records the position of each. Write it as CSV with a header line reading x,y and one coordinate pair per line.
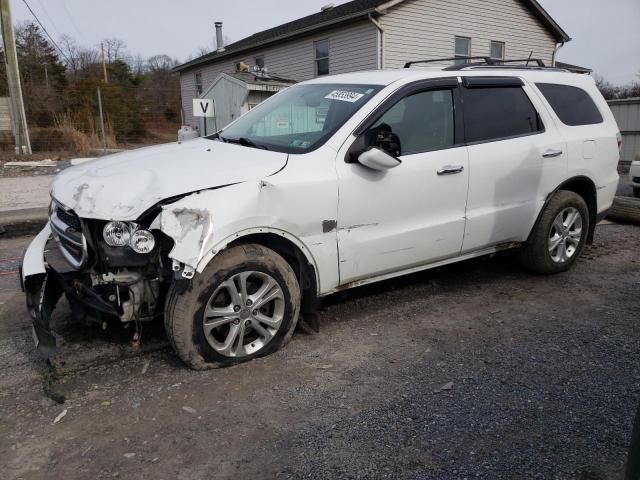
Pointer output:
x,y
345,96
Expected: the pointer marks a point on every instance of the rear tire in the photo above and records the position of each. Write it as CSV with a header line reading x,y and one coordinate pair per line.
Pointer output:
x,y
245,304
559,235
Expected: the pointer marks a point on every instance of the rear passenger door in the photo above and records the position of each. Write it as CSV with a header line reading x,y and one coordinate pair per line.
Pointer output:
x,y
516,157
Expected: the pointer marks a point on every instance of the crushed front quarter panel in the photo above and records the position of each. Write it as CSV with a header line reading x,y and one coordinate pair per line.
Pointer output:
x,y
290,203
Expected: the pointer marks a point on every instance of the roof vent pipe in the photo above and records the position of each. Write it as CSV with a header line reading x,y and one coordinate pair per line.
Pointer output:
x,y
219,39
327,7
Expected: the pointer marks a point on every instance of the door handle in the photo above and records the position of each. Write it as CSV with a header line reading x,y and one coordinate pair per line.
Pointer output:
x,y
450,169
552,153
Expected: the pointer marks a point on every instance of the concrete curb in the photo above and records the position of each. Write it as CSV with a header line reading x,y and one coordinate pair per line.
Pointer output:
x,y
25,221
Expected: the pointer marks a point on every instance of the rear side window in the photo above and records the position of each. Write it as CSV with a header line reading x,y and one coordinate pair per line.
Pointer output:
x,y
492,113
572,105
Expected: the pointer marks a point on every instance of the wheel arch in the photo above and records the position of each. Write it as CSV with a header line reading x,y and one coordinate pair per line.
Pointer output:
x,y
292,249
586,188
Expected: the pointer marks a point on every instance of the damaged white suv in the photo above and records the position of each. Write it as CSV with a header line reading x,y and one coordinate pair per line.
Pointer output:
x,y
330,184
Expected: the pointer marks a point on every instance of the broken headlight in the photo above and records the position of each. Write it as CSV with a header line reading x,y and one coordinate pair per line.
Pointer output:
x,y
120,234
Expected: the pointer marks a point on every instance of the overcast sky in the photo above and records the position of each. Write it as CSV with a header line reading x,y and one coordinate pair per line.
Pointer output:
x,y
605,33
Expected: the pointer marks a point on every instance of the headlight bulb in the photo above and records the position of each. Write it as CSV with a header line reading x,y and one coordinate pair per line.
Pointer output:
x,y
142,241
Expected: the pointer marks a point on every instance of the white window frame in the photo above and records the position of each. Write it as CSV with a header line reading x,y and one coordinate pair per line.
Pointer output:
x,y
491,43
198,85
316,59
456,54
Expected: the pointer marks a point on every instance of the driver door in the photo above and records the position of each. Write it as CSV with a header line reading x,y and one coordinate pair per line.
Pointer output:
x,y
412,214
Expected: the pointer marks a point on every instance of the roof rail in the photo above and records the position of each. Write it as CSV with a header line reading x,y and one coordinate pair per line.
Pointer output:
x,y
435,60
484,62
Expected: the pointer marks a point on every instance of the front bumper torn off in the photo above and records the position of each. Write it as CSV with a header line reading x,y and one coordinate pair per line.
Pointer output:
x,y
42,289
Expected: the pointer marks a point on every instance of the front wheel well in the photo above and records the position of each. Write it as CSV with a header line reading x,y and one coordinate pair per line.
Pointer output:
x,y
584,187
305,271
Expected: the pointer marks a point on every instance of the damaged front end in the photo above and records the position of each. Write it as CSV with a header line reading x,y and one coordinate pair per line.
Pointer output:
x,y
102,282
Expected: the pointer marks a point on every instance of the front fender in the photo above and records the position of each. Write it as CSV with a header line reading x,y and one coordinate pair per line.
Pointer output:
x,y
203,224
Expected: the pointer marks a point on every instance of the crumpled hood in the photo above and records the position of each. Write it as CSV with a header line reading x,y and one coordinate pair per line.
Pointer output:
x,y
123,186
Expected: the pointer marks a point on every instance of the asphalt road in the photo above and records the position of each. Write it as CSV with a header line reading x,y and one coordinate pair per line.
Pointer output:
x,y
478,370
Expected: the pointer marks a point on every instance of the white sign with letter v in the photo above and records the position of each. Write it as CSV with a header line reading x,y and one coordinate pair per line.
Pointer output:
x,y
203,107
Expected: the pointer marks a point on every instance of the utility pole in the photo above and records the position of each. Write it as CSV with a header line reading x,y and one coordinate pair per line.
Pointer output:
x,y
104,65
21,131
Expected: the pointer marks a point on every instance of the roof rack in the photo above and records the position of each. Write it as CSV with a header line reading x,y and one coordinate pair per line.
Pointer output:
x,y
536,63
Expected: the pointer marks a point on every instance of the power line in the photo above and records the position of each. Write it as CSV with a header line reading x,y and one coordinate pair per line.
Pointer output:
x,y
75,26
45,31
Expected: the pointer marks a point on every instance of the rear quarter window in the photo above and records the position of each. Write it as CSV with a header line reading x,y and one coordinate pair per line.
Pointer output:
x,y
573,106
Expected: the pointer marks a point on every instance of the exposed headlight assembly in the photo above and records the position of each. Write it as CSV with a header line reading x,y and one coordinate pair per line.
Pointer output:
x,y
120,234
142,241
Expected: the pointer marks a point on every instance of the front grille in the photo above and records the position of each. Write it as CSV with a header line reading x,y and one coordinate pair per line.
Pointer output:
x,y
69,218
67,230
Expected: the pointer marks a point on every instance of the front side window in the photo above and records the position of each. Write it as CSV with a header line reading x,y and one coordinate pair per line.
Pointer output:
x,y
300,118
423,122
496,50
462,49
322,57
492,113
198,83
572,105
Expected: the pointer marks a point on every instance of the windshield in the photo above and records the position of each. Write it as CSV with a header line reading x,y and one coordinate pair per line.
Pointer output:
x,y
300,118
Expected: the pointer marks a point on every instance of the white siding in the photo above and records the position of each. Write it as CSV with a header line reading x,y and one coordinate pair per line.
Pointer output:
x,y
421,29
351,48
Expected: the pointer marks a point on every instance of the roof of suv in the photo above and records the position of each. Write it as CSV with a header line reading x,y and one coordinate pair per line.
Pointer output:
x,y
387,77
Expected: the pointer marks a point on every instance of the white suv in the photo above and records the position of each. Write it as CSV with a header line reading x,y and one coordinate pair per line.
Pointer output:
x,y
332,183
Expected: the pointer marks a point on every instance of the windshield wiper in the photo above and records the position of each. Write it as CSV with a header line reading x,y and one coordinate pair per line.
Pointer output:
x,y
244,141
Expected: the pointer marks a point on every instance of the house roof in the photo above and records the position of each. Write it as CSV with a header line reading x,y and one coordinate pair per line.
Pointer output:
x,y
346,12
573,68
256,78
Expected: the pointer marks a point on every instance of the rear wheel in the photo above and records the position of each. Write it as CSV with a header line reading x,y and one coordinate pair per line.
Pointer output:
x,y
245,304
559,236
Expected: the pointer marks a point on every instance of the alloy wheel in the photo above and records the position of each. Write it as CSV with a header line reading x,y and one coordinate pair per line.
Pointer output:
x,y
565,235
243,314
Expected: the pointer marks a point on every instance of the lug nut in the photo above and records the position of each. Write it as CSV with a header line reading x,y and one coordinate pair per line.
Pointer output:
x,y
236,321
248,322
254,313
236,308
249,302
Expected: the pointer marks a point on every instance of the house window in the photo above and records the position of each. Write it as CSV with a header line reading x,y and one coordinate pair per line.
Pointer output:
x,y
322,57
496,50
198,83
260,61
462,49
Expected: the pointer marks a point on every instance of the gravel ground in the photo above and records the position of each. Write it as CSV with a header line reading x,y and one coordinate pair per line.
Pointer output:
x,y
478,370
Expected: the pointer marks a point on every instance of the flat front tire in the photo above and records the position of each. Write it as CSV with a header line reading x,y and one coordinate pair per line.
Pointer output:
x,y
559,235
245,304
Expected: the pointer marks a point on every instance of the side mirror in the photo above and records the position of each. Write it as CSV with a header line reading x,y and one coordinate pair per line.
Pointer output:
x,y
377,159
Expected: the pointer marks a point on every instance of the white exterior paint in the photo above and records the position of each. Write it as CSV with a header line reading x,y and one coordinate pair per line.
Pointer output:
x,y
417,219
124,185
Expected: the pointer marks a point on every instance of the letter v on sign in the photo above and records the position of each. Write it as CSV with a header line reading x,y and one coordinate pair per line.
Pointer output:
x,y
203,107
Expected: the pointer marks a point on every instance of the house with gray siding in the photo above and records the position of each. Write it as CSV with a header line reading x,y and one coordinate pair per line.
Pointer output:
x,y
376,34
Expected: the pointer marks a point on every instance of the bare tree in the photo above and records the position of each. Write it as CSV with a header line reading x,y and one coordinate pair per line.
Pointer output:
x,y
607,89
114,49
161,63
